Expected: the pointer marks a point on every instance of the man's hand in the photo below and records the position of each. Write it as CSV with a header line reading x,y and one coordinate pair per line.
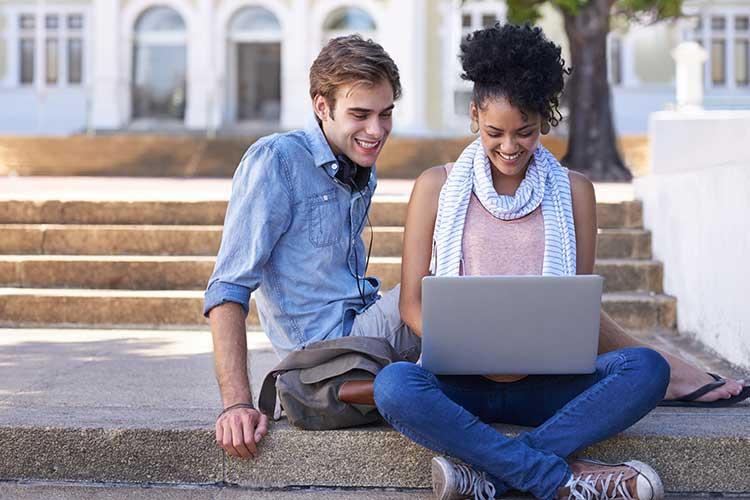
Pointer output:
x,y
238,431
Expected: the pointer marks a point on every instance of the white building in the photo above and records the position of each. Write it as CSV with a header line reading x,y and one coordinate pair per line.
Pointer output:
x,y
68,66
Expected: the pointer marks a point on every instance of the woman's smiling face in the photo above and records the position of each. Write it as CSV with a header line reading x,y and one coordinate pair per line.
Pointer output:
x,y
509,136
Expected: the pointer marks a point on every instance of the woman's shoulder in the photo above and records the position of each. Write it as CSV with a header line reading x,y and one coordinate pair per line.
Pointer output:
x,y
583,197
432,179
580,185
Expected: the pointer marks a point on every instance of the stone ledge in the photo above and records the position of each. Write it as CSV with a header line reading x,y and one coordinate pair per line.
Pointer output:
x,y
691,450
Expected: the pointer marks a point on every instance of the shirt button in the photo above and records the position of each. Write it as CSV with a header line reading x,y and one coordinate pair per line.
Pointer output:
x,y
334,166
325,197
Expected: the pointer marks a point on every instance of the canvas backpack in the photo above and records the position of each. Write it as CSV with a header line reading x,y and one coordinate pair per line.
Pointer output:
x,y
307,382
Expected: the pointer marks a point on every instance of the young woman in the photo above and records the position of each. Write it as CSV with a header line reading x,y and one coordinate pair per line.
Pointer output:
x,y
508,207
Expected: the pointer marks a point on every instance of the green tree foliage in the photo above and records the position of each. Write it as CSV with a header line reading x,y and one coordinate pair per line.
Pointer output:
x,y
520,11
592,145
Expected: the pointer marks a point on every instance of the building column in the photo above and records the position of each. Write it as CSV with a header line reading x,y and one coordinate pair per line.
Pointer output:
x,y
106,89
729,70
627,48
403,37
295,64
201,82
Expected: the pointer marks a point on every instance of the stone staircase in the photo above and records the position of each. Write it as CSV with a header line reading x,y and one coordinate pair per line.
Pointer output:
x,y
106,366
145,264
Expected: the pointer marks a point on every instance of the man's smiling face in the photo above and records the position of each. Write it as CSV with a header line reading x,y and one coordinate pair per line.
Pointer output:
x,y
360,121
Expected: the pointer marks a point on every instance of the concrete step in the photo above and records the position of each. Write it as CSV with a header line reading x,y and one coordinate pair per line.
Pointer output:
x,y
85,490
21,307
75,239
139,407
386,211
58,490
193,272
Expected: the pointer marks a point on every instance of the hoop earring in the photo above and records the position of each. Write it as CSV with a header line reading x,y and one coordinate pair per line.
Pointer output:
x,y
474,127
545,128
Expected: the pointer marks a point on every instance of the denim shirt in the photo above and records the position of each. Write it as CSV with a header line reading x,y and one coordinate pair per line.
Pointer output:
x,y
292,236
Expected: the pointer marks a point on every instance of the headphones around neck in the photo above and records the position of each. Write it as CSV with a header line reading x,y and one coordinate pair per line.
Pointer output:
x,y
357,178
351,174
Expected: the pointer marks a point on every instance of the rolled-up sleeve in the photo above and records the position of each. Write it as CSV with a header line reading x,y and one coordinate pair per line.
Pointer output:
x,y
259,213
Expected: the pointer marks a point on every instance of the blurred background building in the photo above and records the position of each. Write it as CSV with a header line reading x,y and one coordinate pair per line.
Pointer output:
x,y
240,66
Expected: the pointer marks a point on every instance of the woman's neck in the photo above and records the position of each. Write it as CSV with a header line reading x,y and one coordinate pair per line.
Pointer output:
x,y
505,184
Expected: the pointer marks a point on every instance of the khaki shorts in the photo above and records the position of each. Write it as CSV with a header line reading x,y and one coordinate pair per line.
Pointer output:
x,y
382,319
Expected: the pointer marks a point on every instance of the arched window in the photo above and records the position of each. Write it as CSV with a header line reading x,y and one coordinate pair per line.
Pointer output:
x,y
159,65
255,20
348,20
255,54
159,20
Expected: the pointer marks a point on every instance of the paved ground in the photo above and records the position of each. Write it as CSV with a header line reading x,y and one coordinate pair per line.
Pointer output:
x,y
105,378
176,189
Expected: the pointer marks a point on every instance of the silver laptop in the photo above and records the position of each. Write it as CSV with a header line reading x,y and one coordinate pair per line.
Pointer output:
x,y
480,325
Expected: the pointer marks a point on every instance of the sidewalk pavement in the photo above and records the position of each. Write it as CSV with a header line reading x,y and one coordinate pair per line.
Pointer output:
x,y
155,378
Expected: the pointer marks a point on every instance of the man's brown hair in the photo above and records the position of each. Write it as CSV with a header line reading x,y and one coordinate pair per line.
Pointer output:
x,y
351,59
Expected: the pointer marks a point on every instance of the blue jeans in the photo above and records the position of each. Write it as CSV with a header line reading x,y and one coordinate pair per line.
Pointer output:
x,y
450,414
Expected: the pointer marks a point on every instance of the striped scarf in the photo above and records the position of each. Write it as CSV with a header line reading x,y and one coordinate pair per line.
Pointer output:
x,y
546,183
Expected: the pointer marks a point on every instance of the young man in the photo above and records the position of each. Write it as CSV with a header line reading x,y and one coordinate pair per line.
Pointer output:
x,y
292,237
292,233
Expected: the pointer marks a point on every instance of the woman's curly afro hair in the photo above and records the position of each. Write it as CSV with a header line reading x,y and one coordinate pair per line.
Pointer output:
x,y
518,63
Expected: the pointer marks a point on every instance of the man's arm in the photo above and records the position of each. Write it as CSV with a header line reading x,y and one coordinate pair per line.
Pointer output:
x,y
684,377
238,430
230,353
258,214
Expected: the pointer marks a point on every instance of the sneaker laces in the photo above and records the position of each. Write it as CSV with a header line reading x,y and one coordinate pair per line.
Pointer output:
x,y
585,487
473,482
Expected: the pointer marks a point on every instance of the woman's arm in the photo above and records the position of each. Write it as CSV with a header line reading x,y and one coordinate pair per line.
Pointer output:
x,y
420,225
584,218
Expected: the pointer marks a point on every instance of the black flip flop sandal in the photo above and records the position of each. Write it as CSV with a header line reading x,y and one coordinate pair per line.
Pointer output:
x,y
689,400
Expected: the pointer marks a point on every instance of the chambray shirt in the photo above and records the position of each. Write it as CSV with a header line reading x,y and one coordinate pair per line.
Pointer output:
x,y
292,237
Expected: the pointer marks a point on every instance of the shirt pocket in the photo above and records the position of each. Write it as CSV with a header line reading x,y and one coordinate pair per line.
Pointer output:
x,y
323,219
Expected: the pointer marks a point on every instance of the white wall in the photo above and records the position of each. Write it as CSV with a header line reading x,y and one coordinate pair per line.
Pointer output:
x,y
631,106
697,204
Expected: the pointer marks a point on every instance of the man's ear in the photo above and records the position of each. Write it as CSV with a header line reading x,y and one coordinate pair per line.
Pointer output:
x,y
321,108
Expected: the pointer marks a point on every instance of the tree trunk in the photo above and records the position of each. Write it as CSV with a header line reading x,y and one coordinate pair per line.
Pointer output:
x,y
592,145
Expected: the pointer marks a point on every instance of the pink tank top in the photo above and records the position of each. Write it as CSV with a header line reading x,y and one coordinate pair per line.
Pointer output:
x,y
495,247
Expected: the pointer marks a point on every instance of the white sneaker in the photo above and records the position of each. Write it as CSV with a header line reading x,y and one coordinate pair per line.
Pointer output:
x,y
452,481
